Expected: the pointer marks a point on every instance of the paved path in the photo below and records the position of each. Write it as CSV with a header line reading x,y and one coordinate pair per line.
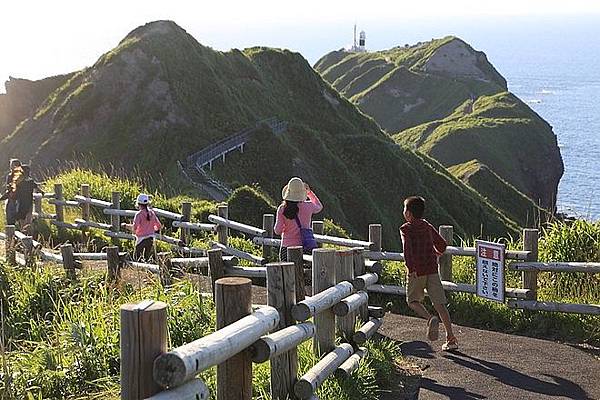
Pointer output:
x,y
493,365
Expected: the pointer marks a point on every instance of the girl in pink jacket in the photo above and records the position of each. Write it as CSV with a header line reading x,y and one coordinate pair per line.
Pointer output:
x,y
296,211
145,225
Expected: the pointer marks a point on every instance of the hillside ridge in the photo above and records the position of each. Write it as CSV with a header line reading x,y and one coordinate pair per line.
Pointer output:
x,y
160,96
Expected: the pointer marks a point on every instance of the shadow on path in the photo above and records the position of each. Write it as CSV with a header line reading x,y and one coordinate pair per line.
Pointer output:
x,y
417,348
507,376
452,392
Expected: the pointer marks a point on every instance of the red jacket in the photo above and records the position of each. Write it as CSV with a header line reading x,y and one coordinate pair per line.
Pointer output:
x,y
422,246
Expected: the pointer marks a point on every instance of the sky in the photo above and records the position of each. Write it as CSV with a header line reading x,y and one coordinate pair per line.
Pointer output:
x,y
44,38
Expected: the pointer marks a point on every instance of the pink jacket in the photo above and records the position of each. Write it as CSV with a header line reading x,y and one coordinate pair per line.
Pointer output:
x,y
144,228
288,229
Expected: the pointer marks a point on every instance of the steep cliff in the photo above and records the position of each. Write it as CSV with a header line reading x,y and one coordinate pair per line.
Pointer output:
x,y
161,96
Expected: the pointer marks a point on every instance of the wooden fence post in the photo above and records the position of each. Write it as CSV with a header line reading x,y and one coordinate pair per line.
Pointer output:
x,y
294,255
318,228
281,294
28,252
360,269
85,212
11,255
216,267
66,251
37,204
59,209
113,263
345,272
223,231
323,277
143,338
268,225
530,243
447,232
375,236
186,211
37,209
115,220
233,301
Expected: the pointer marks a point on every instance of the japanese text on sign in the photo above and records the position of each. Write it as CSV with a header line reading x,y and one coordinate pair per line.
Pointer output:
x,y
490,270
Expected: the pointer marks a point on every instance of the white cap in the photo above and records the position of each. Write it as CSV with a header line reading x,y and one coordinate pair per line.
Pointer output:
x,y
143,199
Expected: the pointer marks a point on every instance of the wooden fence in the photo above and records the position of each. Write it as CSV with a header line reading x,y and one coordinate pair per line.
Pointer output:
x,y
341,282
272,332
524,260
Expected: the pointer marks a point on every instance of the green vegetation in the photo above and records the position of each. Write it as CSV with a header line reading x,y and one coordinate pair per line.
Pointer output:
x,y
578,241
396,88
22,97
160,96
61,338
508,199
501,132
445,99
101,187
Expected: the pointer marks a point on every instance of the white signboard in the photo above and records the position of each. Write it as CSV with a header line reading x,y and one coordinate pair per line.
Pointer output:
x,y
490,270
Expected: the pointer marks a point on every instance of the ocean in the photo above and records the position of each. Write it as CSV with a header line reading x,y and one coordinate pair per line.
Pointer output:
x,y
556,73
551,63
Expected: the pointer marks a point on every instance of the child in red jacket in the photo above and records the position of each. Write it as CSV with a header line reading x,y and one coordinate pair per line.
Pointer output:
x,y
422,246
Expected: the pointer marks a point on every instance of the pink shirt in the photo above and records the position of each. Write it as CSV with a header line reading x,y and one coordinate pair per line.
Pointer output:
x,y
144,228
288,228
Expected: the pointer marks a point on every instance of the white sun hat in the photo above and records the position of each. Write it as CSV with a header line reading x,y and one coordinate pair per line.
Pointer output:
x,y
143,199
294,190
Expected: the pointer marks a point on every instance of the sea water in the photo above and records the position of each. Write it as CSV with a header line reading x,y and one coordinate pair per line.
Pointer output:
x,y
557,73
551,63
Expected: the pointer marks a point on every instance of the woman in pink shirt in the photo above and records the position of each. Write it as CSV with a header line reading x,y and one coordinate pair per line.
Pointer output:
x,y
295,212
145,225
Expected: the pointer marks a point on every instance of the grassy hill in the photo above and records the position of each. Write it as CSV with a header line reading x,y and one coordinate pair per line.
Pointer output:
x,y
406,86
22,97
160,96
445,85
499,192
501,132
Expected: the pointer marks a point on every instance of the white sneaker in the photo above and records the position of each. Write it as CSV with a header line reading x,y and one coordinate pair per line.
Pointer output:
x,y
450,345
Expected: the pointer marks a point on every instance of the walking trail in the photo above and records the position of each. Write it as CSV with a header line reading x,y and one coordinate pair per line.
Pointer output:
x,y
492,365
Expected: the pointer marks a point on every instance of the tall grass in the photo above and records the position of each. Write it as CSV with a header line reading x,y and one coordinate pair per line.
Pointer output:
x,y
62,337
577,241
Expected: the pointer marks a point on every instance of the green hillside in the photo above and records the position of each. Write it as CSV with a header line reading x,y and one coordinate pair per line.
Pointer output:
x,y
22,97
501,132
499,192
406,86
160,96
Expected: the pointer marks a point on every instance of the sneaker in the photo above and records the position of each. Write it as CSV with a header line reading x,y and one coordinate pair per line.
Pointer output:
x,y
433,329
450,345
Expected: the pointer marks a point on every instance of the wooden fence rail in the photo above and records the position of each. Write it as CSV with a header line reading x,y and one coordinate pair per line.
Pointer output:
x,y
341,282
268,333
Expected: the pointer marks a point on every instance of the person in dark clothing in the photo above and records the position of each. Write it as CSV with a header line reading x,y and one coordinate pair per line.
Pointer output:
x,y
12,179
24,198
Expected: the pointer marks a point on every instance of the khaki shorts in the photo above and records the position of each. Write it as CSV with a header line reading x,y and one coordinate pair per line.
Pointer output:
x,y
417,285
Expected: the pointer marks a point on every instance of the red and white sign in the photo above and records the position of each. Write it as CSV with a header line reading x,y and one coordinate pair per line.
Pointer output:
x,y
490,270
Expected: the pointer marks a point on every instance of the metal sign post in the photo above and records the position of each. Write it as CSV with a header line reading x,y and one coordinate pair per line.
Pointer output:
x,y
490,270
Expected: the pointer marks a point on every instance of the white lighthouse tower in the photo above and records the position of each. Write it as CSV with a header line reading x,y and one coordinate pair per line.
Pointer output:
x,y
361,41
359,46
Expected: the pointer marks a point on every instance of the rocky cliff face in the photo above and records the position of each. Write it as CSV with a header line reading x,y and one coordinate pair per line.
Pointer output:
x,y
446,99
22,98
502,133
456,59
